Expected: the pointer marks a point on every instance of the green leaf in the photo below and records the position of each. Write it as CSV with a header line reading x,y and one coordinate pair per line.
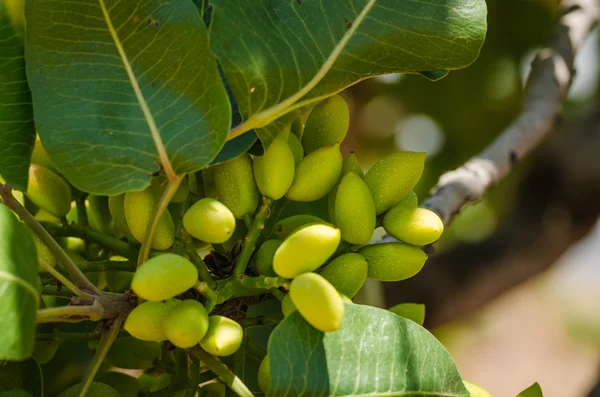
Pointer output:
x,y
532,391
283,55
245,362
121,88
17,132
96,389
24,375
375,353
18,280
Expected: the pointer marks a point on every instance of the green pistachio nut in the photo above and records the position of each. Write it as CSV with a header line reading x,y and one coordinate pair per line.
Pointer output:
x,y
476,390
235,185
411,311
117,211
351,164
316,174
239,234
393,261
185,324
286,226
163,277
347,273
139,208
263,259
126,385
209,220
274,170
131,353
48,191
264,375
305,250
40,156
354,210
297,127
393,177
45,256
327,124
145,321
296,148
98,213
418,226
318,302
287,306
224,336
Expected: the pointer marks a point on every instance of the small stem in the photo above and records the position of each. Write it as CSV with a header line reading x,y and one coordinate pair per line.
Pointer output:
x,y
272,218
191,252
224,373
248,221
55,291
161,207
194,379
70,314
82,218
67,337
210,295
277,294
87,233
78,277
253,232
65,281
106,341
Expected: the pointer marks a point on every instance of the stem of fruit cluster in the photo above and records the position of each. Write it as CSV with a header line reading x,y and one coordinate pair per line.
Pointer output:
x,y
250,241
87,233
106,341
209,293
160,210
71,314
191,252
224,373
272,218
77,275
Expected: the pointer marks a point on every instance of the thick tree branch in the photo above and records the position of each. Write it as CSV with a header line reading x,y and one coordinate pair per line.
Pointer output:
x,y
547,87
557,205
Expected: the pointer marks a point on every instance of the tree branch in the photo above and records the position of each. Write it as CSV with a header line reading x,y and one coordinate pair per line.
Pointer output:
x,y
547,87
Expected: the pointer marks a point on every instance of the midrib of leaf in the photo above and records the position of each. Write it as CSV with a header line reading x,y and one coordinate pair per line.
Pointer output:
x,y
160,147
266,116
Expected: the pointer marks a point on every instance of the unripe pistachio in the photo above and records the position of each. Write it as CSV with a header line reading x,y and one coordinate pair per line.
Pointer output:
x,y
145,321
140,209
418,226
351,164
263,258
98,213
274,170
163,277
224,336
411,311
296,148
238,235
264,375
40,156
234,182
476,390
317,301
393,177
117,211
186,323
327,124
393,261
347,273
131,353
305,250
287,306
316,174
209,220
48,191
354,210
297,127
45,256
286,226
45,216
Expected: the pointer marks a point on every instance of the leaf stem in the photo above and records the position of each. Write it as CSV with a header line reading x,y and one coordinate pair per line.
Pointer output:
x,y
71,314
106,341
160,210
82,218
77,275
250,241
224,373
65,281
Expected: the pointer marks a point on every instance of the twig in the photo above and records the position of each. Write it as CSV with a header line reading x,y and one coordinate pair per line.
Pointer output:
x,y
221,370
160,210
192,253
250,241
69,314
76,275
547,88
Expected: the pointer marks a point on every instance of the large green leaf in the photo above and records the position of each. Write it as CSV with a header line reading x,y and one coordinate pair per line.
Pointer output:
x,y
375,353
283,54
24,375
18,293
17,132
121,88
